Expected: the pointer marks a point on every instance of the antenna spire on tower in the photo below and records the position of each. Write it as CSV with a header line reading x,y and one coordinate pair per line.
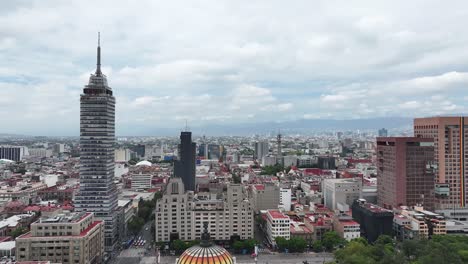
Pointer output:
x,y
98,64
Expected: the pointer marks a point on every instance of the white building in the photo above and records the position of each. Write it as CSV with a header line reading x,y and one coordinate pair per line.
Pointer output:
x,y
277,225
40,152
285,199
141,182
344,191
122,155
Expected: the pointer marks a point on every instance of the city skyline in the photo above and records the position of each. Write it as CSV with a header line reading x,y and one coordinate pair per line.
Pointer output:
x,y
221,64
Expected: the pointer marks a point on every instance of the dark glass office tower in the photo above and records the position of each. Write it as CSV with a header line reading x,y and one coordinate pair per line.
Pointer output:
x,y
98,193
184,167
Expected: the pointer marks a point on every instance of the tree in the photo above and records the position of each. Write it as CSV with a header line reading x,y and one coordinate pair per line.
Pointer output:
x,y
135,225
18,232
238,245
178,245
297,244
331,240
317,246
281,243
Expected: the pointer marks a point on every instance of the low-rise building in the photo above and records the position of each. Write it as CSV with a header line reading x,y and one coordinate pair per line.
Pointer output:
x,y
417,223
374,220
71,238
141,182
265,196
277,225
344,191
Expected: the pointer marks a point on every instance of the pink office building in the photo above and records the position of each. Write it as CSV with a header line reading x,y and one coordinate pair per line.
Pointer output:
x,y
451,157
405,171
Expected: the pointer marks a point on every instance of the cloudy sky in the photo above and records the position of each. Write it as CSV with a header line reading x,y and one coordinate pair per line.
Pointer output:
x,y
218,62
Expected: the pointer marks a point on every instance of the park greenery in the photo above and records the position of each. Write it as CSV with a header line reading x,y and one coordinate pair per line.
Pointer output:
x,y
439,249
18,232
180,246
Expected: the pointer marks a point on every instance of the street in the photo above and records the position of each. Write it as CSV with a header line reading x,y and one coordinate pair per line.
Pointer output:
x,y
312,258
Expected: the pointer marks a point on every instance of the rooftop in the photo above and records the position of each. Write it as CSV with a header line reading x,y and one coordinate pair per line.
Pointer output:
x,y
275,214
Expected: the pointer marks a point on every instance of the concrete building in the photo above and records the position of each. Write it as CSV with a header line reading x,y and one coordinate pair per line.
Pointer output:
x,y
290,160
265,196
261,150
22,191
40,152
277,225
450,135
344,191
180,214
417,223
346,227
405,171
306,161
326,162
98,192
285,198
374,220
184,167
269,161
72,238
15,153
141,182
59,148
122,155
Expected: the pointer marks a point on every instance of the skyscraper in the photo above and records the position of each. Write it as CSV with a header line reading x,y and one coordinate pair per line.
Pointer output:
x,y
98,193
405,171
184,167
261,150
450,135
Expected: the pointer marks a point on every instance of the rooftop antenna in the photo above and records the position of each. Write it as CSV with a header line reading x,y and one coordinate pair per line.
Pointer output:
x,y
98,66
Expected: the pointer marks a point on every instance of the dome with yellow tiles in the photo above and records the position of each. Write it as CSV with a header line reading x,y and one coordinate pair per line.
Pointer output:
x,y
206,253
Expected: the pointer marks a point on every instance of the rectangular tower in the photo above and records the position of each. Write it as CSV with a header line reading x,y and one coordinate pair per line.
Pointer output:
x,y
98,193
185,166
405,171
450,135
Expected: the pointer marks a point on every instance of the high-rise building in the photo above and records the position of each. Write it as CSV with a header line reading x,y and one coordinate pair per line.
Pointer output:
x,y
184,167
71,238
14,153
98,192
383,132
180,214
261,150
405,171
450,135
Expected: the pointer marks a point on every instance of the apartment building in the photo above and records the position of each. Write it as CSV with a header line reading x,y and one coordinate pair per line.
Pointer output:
x,y
70,238
265,196
180,214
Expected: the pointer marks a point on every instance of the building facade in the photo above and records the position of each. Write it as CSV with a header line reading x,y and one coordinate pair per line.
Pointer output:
x,y
141,182
184,167
450,135
261,150
374,220
14,153
341,191
180,214
277,225
72,238
265,196
405,171
98,193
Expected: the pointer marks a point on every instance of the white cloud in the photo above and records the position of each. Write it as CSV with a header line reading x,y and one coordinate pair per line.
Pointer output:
x,y
172,62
